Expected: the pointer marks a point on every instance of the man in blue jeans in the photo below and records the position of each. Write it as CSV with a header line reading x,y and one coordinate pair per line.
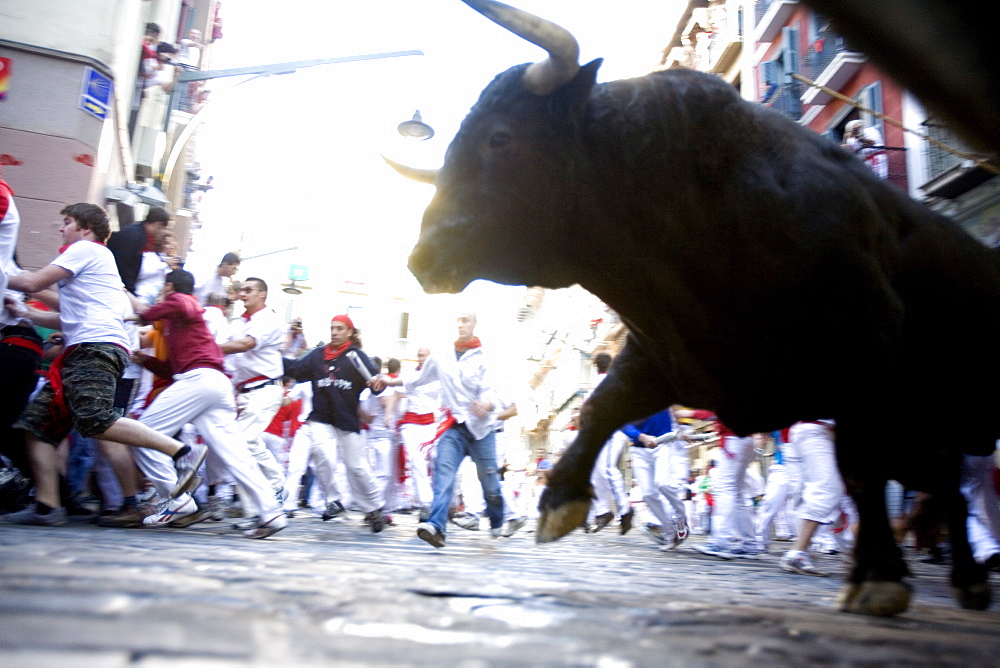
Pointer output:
x,y
469,395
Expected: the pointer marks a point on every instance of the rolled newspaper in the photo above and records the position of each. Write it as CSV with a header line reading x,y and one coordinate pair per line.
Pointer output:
x,y
359,365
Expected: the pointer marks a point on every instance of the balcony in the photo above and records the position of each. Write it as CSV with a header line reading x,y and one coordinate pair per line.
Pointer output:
x,y
949,176
830,62
772,16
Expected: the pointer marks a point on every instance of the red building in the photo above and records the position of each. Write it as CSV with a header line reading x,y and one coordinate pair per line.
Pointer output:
x,y
788,38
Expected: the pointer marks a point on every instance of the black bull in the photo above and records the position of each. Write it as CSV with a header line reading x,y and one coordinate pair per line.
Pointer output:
x,y
763,272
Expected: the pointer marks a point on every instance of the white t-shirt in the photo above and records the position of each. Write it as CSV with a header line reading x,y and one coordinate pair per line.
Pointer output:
x,y
8,242
152,273
208,284
422,399
92,300
268,330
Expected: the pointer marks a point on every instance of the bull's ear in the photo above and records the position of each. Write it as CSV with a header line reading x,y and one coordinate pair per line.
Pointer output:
x,y
574,94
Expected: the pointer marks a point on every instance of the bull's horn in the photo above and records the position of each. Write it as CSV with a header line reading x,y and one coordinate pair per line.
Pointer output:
x,y
421,175
564,52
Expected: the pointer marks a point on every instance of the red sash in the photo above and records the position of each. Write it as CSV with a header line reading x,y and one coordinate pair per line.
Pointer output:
x,y
58,410
414,418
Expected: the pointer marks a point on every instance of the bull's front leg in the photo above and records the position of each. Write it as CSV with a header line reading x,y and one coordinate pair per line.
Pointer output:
x,y
875,583
632,390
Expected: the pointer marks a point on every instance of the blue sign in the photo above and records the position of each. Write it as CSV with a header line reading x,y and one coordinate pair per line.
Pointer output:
x,y
95,95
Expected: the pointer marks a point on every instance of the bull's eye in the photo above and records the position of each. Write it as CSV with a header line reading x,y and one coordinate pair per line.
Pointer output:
x,y
499,139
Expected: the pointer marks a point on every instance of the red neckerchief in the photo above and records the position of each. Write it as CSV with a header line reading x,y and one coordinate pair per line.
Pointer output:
x,y
331,353
468,345
393,375
249,314
150,241
65,246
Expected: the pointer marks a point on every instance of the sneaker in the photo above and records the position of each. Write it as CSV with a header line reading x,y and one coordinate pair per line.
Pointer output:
x,y
626,521
496,532
429,533
654,533
713,550
466,521
187,469
743,552
670,543
268,528
425,514
795,561
376,520
57,517
216,508
126,518
602,521
683,531
333,509
511,526
247,523
194,518
172,510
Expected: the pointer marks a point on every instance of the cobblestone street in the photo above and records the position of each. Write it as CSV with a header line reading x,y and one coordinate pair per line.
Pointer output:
x,y
334,593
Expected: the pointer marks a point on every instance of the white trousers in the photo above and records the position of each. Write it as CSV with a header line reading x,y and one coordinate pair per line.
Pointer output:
x,y
418,459
298,462
984,511
382,457
326,444
822,486
278,447
651,469
607,480
774,508
732,520
256,410
203,397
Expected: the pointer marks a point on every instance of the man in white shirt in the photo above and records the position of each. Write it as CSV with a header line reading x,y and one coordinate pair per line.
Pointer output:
x,y
211,283
254,343
469,395
82,380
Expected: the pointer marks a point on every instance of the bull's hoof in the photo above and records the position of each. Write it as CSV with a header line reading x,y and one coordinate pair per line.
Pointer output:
x,y
554,523
974,597
877,598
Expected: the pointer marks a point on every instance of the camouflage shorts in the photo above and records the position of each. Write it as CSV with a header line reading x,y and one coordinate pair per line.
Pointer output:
x,y
90,374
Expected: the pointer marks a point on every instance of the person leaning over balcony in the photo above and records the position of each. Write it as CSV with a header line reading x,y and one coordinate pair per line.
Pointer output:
x,y
868,144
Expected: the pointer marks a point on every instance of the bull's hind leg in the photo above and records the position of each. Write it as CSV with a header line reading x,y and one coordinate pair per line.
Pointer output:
x,y
632,390
969,579
875,583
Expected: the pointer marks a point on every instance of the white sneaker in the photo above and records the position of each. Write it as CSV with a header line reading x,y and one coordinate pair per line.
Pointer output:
x,y
510,527
794,561
172,510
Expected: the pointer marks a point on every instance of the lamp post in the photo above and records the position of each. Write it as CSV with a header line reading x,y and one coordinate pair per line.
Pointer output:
x,y
173,156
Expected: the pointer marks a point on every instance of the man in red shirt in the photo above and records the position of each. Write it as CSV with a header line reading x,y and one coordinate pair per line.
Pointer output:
x,y
200,394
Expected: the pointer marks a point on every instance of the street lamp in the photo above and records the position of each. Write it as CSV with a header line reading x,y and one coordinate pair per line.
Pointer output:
x,y
174,154
415,128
